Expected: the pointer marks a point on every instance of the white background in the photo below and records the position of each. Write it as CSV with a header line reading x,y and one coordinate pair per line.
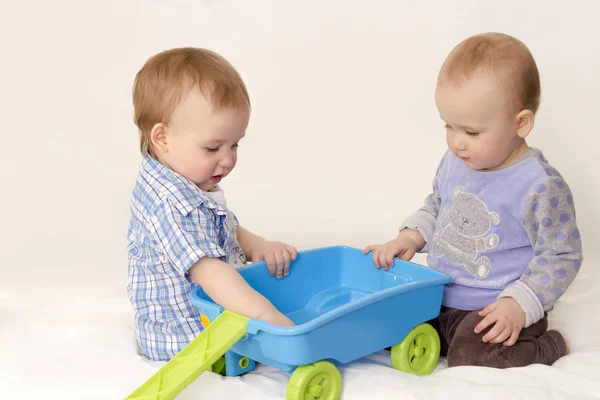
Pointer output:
x,y
343,141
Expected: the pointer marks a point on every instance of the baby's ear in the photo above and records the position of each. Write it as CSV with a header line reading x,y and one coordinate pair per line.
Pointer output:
x,y
458,190
494,218
158,137
525,122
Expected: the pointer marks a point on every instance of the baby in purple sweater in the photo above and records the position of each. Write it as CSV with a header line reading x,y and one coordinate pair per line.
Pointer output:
x,y
500,219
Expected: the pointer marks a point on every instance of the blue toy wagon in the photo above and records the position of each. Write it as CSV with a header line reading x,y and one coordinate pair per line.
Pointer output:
x,y
344,309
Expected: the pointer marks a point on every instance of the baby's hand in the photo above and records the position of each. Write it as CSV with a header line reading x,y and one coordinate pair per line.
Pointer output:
x,y
383,255
277,256
508,317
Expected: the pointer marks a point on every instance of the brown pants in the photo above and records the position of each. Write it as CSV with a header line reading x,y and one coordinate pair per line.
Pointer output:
x,y
463,346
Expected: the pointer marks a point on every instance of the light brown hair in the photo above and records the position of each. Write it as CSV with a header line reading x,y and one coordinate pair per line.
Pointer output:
x,y
502,54
167,77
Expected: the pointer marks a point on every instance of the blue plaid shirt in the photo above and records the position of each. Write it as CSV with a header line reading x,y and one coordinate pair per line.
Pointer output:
x,y
173,225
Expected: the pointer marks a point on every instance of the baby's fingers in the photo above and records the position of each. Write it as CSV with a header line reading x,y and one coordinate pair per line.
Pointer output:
x,y
386,257
287,260
271,263
494,332
513,338
407,255
375,250
370,248
280,263
293,252
376,254
488,309
505,334
487,321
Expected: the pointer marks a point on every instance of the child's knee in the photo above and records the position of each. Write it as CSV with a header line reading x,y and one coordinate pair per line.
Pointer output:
x,y
472,351
467,347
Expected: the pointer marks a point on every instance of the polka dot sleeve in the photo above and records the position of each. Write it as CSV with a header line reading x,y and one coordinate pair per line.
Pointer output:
x,y
550,222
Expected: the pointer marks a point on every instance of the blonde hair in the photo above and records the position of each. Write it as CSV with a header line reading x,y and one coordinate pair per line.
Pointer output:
x,y
167,77
501,53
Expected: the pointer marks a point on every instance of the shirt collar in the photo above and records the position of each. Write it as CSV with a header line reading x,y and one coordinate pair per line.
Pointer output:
x,y
186,195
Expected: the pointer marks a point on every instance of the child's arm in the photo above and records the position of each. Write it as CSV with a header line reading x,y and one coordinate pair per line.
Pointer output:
x,y
188,242
277,255
405,245
227,288
415,232
425,219
549,220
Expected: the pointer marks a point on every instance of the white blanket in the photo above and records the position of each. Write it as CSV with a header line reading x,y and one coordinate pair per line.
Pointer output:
x,y
53,346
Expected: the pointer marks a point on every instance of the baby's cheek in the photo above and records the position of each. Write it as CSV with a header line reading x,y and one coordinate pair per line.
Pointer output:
x,y
492,156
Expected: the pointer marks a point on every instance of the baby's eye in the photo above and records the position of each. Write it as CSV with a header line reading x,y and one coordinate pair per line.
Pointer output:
x,y
212,150
472,133
235,146
447,126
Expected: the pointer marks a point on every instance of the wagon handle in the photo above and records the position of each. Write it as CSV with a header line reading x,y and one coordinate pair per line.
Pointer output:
x,y
198,356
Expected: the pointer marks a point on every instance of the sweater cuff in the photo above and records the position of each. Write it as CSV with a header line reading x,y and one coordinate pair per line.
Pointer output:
x,y
527,299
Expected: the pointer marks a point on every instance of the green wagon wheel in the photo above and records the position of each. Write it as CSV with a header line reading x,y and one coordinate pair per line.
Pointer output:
x,y
320,380
419,352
